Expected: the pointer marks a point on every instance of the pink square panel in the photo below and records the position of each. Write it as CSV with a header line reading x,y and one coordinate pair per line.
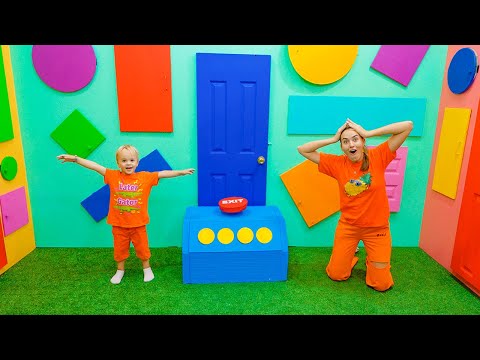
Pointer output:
x,y
13,206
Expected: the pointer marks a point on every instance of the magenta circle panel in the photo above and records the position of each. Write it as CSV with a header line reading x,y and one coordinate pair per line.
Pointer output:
x,y
66,68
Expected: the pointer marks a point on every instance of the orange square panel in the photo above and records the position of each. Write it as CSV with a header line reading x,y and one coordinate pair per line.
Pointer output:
x,y
315,194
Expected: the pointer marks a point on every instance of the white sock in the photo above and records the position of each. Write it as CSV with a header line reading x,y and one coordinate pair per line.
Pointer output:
x,y
117,277
148,274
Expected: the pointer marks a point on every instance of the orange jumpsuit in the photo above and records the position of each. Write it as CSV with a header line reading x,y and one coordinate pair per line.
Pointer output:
x,y
365,214
128,211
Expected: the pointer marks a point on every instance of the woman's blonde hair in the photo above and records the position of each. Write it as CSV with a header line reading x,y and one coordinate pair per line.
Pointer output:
x,y
127,147
366,160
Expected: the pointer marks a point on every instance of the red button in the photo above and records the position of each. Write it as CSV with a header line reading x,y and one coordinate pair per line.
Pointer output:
x,y
233,204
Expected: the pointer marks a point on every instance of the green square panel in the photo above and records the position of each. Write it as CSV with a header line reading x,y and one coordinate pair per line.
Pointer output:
x,y
77,135
6,126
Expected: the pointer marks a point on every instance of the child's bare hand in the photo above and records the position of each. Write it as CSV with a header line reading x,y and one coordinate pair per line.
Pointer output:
x,y
188,171
66,158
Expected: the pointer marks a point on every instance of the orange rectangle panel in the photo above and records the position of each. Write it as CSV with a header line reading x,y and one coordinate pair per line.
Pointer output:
x,y
144,89
315,194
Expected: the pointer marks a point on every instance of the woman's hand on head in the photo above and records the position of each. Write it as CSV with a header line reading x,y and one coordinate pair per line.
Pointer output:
x,y
336,137
359,129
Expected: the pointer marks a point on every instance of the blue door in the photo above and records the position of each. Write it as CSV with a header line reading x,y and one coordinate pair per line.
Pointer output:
x,y
233,95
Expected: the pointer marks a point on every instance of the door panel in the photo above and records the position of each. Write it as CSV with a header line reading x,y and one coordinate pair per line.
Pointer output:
x,y
233,95
450,151
143,74
466,251
394,178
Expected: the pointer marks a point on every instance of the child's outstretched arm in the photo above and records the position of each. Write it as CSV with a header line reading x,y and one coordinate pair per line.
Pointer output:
x,y
89,164
174,173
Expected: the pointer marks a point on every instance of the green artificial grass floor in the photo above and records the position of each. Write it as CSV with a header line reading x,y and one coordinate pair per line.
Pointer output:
x,y
76,281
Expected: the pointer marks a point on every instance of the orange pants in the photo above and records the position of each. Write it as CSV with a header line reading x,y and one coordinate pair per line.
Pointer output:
x,y
378,246
121,242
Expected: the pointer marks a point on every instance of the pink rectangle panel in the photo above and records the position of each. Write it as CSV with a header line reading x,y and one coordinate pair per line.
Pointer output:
x,y
394,178
3,252
14,211
399,62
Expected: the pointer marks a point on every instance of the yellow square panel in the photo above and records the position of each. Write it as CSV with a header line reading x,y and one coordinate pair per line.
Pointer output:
x,y
451,145
315,194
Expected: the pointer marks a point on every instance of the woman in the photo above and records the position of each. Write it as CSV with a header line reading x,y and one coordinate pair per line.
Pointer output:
x,y
364,207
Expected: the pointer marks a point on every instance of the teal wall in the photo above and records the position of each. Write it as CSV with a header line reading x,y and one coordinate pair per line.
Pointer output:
x,y
56,189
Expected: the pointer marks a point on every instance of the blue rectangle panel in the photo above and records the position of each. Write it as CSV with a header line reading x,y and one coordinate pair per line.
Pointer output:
x,y
323,115
236,267
253,217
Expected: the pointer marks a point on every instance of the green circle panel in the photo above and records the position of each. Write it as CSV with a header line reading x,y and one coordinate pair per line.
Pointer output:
x,y
8,168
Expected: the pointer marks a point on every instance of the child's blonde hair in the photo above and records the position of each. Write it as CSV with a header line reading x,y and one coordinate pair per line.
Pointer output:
x,y
127,147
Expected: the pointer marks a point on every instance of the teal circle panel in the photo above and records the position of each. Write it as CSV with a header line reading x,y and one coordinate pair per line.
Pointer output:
x,y
8,168
462,70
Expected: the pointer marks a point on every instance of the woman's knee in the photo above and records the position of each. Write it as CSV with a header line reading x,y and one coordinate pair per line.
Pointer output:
x,y
338,274
340,271
379,276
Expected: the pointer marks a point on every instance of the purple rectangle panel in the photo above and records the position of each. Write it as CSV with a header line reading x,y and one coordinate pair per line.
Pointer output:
x,y
399,62
14,210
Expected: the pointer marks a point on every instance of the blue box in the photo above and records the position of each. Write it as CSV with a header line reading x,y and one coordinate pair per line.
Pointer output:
x,y
220,247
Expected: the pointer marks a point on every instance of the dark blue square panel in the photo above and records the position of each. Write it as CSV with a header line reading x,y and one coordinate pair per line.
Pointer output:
x,y
153,162
97,203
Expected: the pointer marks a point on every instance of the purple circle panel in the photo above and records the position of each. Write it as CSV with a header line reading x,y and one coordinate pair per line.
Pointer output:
x,y
66,68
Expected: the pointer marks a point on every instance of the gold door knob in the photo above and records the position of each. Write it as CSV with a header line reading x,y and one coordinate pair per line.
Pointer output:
x,y
261,160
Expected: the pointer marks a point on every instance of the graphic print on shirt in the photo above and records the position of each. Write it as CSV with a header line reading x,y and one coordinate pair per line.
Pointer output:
x,y
127,197
356,186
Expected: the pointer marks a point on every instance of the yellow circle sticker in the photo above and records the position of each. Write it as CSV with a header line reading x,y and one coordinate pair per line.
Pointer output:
x,y
206,236
225,236
264,235
245,235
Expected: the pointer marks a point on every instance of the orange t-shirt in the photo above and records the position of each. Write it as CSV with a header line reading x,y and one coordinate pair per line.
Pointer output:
x,y
129,195
363,195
